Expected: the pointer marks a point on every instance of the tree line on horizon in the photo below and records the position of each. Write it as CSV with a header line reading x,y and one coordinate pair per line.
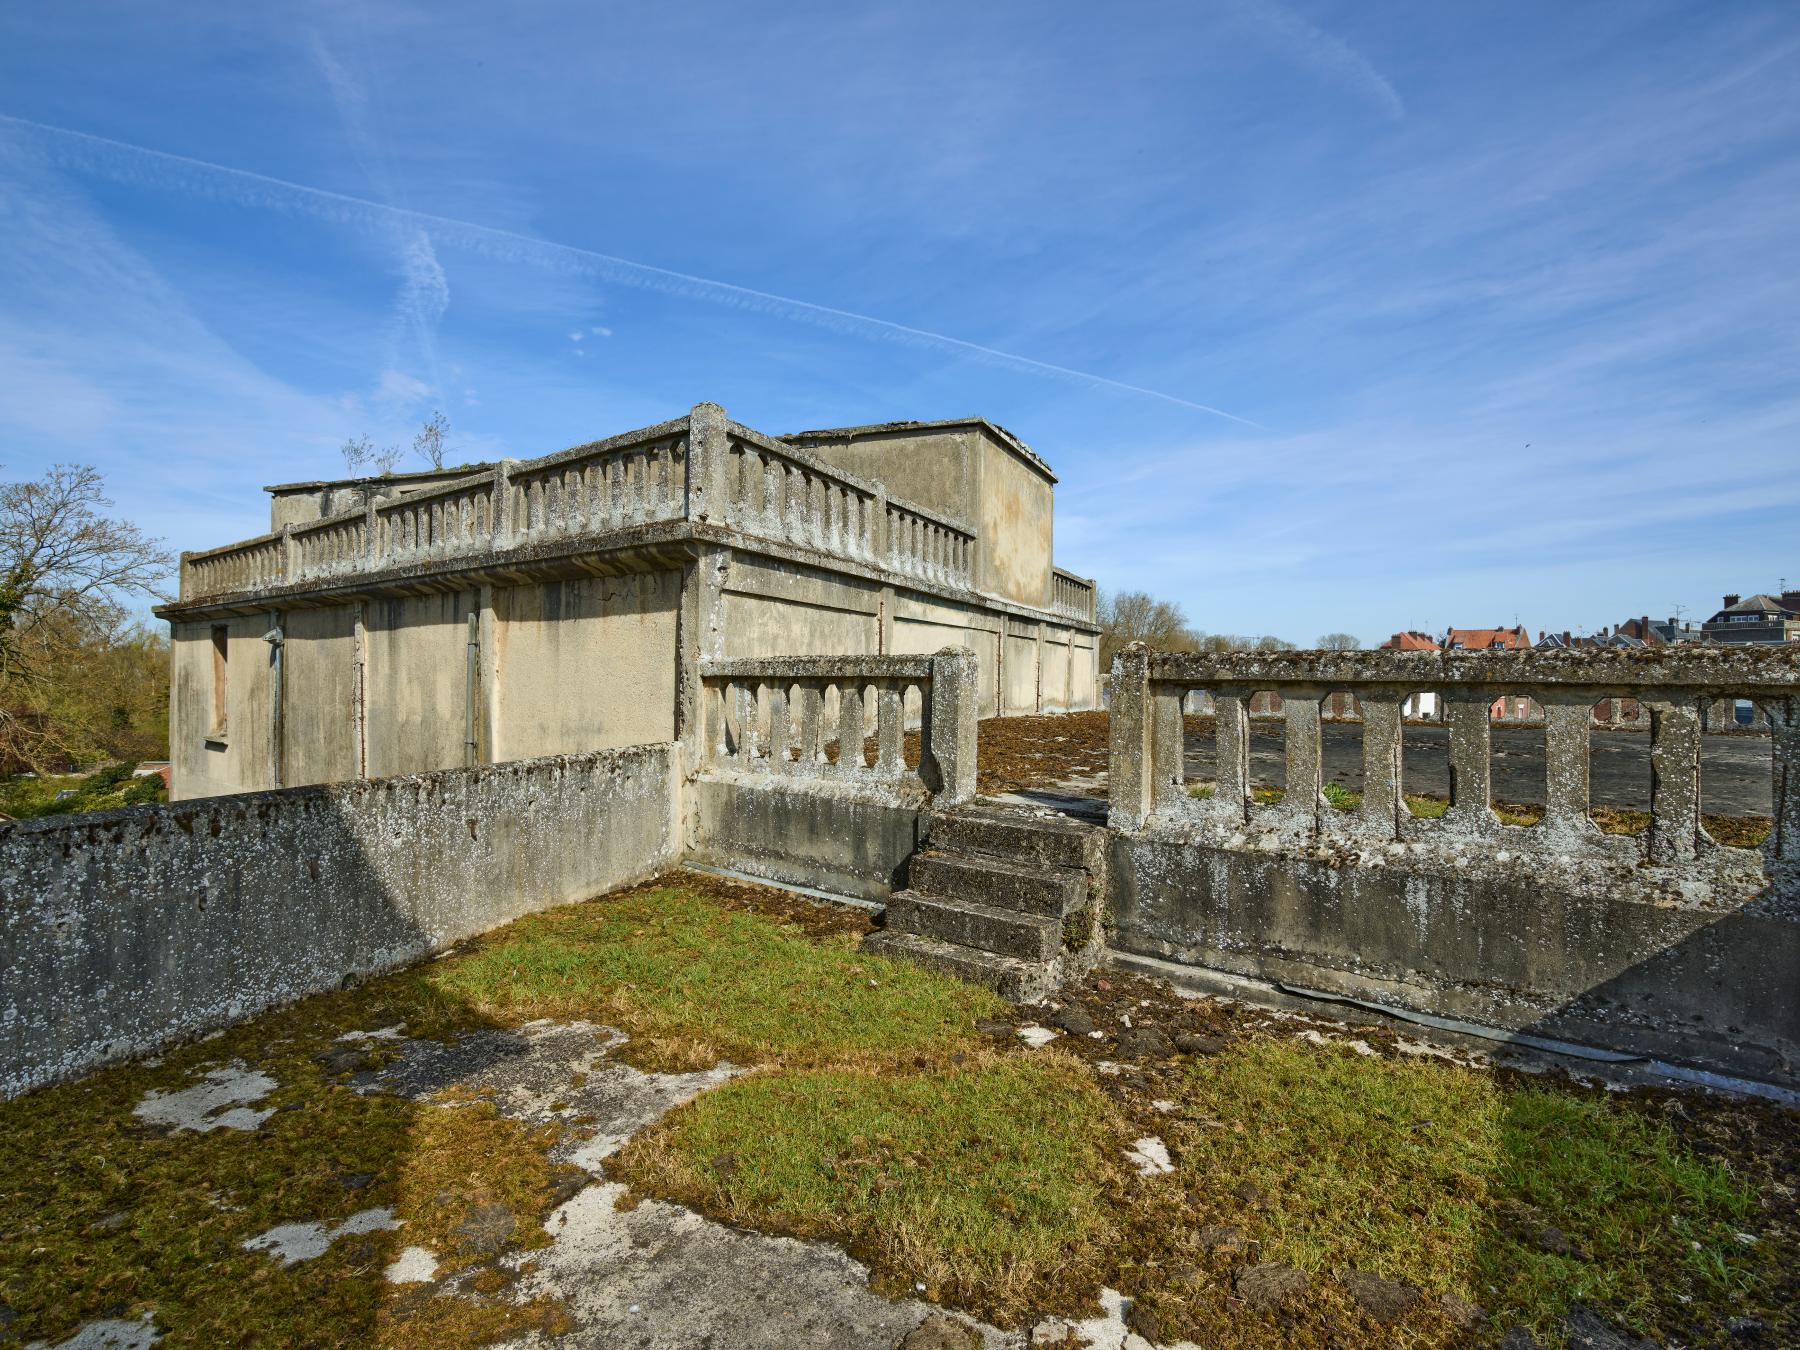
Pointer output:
x,y
1137,616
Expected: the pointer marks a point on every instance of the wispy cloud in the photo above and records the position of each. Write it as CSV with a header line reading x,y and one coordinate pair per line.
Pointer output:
x,y
1331,56
122,161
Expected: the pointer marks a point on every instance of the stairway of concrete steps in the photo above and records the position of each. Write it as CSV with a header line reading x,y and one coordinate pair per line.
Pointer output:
x,y
1007,898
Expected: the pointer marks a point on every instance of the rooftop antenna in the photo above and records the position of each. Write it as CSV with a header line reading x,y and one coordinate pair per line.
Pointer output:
x,y
1679,611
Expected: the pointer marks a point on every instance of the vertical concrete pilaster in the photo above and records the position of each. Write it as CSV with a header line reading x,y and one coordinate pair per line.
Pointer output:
x,y
1382,727
1674,781
1131,772
709,451
1304,772
1567,721
1471,757
1784,730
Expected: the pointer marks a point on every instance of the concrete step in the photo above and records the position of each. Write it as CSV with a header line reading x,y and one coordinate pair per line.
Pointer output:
x,y
1034,841
1014,980
1050,891
1006,932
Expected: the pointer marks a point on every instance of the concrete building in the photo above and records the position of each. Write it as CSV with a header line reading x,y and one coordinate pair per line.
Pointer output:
x,y
564,604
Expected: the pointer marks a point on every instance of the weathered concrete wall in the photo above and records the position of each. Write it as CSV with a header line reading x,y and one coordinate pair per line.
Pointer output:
x,y
937,467
807,833
773,608
321,741
237,758
127,929
1585,958
1016,509
414,682
585,664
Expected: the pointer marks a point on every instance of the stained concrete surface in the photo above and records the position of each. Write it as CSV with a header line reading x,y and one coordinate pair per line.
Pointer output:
x,y
654,1276
1734,769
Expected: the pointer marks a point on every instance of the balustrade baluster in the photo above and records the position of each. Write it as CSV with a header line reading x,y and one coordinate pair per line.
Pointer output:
x,y
1305,773
1566,754
1674,780
1471,757
778,728
890,725
812,726
852,716
1231,754
1382,730
1167,750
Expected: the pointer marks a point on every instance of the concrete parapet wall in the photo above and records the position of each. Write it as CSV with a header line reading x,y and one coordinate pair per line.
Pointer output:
x,y
1590,955
127,929
851,841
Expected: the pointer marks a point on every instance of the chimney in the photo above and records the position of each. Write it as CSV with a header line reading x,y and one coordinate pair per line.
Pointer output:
x,y
1790,599
1731,600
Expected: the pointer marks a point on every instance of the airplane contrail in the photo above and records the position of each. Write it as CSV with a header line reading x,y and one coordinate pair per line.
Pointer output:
x,y
123,161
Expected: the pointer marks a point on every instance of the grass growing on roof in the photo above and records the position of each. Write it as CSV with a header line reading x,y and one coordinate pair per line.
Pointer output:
x,y
695,983
1446,1179
982,1181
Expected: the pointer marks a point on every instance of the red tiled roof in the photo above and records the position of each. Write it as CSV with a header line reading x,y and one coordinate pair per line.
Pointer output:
x,y
1410,642
1488,639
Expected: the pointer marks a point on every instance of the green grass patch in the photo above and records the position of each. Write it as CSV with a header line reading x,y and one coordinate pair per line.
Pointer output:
x,y
981,1181
1447,1179
26,798
695,983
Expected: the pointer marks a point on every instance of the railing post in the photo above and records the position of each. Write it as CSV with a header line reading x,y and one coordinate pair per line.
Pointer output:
x,y
1167,740
950,725
371,528
1674,780
1382,727
1131,772
1784,734
878,530
502,513
1471,756
1231,754
708,450
1567,727
290,554
1304,775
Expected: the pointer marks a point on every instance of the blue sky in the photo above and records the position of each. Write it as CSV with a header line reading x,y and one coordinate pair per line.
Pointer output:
x,y
1329,315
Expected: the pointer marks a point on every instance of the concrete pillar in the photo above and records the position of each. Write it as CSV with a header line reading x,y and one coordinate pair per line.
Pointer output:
x,y
1131,769
1379,818
1567,722
1231,754
1471,757
1305,774
1784,759
1674,781
950,724
1166,745
709,451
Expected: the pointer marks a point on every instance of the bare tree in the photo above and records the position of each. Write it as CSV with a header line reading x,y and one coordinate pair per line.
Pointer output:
x,y
357,453
1268,642
1340,642
430,440
66,572
385,459
1134,616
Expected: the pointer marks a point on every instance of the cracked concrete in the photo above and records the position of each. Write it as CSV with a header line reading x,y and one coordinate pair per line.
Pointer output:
x,y
654,1276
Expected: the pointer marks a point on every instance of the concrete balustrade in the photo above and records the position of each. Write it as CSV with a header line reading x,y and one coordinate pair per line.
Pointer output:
x,y
1150,689
776,717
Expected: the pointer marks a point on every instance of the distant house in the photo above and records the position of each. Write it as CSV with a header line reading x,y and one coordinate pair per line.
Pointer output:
x,y
1761,618
1417,706
1515,639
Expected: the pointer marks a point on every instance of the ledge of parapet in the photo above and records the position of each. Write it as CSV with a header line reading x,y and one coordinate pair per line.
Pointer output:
x,y
562,556
994,429
1696,664
1721,880
154,817
817,667
377,480
906,793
